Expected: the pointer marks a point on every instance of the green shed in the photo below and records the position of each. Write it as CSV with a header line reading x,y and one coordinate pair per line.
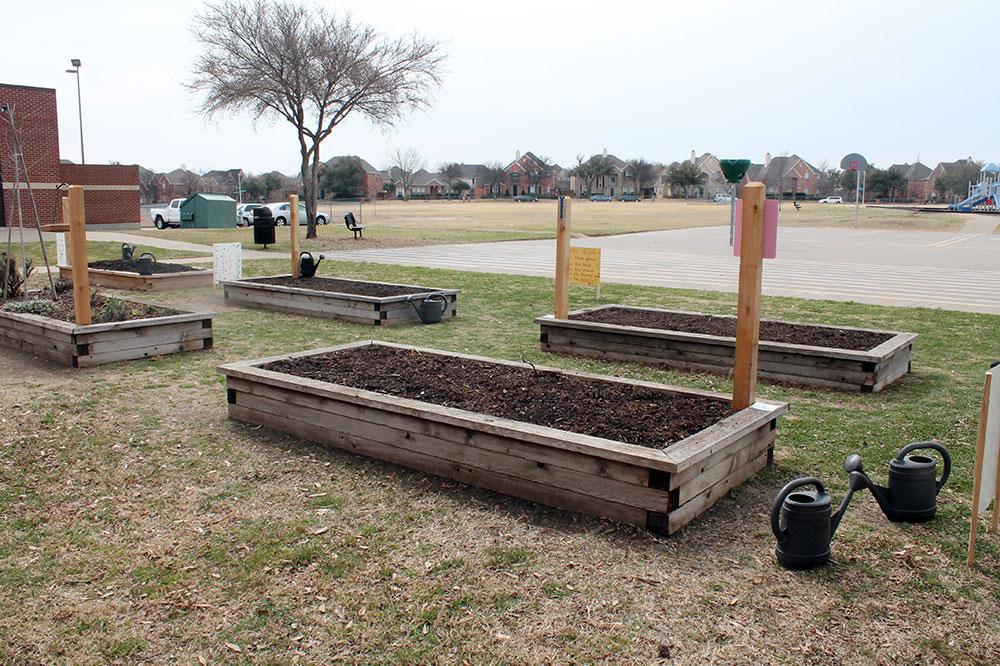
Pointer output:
x,y
208,211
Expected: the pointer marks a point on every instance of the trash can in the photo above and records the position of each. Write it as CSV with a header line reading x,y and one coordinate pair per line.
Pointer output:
x,y
263,226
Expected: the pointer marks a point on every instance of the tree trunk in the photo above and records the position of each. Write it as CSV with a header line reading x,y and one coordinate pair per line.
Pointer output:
x,y
311,194
306,189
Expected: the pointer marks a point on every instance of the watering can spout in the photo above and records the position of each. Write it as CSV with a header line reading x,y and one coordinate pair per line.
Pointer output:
x,y
856,480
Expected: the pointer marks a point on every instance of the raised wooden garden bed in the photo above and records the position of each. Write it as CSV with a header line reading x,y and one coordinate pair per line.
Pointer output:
x,y
350,300
865,370
658,487
115,279
84,346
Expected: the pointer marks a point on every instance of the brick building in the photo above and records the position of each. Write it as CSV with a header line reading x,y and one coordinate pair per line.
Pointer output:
x,y
111,192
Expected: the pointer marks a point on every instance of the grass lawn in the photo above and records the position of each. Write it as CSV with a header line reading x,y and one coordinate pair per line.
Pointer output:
x,y
139,524
421,222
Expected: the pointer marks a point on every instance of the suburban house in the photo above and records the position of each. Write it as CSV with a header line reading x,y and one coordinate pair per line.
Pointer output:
x,y
917,177
219,181
941,169
372,180
182,183
786,174
528,174
714,181
473,175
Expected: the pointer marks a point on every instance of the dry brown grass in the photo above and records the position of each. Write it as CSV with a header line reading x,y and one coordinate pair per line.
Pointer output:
x,y
141,526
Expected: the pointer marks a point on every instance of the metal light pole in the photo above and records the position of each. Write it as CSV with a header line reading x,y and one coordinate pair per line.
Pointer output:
x,y
79,102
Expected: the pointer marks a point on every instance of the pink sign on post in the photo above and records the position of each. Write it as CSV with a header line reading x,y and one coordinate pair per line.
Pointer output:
x,y
770,228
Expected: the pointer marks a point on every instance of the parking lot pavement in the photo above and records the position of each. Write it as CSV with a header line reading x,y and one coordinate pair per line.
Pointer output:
x,y
903,268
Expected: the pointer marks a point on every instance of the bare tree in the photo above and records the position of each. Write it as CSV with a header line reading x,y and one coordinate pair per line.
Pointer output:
x,y
406,163
312,68
191,182
451,172
493,174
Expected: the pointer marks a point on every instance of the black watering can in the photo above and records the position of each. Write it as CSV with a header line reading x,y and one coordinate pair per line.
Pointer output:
x,y
913,484
803,521
307,266
431,308
127,251
145,263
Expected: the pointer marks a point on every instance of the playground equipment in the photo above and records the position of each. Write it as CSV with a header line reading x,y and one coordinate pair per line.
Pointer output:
x,y
984,195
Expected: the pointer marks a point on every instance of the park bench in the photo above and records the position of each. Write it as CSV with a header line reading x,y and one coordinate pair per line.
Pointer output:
x,y
353,225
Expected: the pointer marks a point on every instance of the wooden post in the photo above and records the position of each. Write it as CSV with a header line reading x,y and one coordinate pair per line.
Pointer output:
x,y
69,239
978,471
748,304
293,202
78,250
562,257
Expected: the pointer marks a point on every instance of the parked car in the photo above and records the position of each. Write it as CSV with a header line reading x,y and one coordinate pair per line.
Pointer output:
x,y
628,197
526,198
832,200
281,212
244,214
170,216
600,197
722,198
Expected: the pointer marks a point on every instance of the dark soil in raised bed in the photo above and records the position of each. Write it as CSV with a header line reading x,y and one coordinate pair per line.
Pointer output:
x,y
335,285
771,331
100,311
133,266
621,412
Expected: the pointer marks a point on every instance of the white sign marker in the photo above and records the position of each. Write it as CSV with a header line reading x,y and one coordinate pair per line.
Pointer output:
x,y
227,261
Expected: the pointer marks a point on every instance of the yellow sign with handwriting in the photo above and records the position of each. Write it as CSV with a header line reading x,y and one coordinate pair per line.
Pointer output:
x,y
585,266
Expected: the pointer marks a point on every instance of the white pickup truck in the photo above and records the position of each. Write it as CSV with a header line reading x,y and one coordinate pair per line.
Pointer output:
x,y
167,217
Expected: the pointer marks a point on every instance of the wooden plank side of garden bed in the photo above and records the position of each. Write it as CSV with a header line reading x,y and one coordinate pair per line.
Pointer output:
x,y
294,304
595,465
38,346
798,364
99,277
95,344
655,489
474,476
370,428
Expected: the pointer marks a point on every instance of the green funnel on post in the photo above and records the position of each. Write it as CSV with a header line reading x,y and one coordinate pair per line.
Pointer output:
x,y
734,170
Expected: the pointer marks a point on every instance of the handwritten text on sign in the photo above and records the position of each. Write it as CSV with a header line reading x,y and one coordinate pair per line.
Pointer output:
x,y
585,266
227,261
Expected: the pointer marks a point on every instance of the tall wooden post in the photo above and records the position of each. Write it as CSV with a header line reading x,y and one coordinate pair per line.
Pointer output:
x,y
748,305
562,257
293,202
78,251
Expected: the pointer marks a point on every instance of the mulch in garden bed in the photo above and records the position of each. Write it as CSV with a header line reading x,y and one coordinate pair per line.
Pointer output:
x,y
335,285
620,412
133,266
101,311
770,331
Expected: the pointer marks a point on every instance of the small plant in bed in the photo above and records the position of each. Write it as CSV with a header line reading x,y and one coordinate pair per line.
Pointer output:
x,y
104,309
133,266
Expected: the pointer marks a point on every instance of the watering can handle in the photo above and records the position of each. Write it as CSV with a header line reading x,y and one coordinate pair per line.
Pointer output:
x,y
930,445
304,253
780,499
148,254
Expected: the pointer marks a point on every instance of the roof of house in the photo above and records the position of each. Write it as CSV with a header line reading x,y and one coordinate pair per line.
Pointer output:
x,y
471,170
533,158
181,176
364,164
778,167
915,171
424,177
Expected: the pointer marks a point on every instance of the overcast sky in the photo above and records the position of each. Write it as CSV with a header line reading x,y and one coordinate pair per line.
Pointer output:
x,y
895,81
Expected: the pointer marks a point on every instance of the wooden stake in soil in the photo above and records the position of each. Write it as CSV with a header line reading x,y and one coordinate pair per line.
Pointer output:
x,y
78,252
562,257
293,202
748,305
